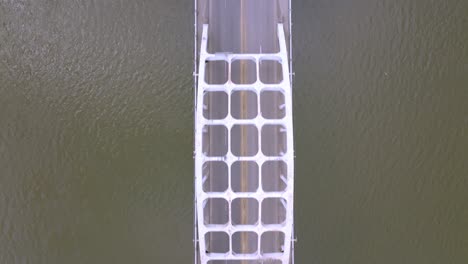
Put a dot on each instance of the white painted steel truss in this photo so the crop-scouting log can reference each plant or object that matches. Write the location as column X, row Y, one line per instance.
column 262, row 229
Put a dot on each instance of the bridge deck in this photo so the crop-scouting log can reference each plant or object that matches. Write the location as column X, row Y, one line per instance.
column 243, row 141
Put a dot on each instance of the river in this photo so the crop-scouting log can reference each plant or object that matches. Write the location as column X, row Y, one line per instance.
column 96, row 131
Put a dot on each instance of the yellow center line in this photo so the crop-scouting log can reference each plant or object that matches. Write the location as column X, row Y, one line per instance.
column 243, row 138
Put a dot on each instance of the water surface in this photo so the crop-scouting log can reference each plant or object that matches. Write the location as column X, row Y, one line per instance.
column 96, row 128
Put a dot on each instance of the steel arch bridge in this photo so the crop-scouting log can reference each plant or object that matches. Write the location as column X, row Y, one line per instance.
column 244, row 151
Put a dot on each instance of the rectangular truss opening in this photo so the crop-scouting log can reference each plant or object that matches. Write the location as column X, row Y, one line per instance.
column 273, row 211
column 244, row 243
column 244, row 140
column 215, row 105
column 272, row 243
column 244, row 176
column 216, row 211
column 274, row 140
column 274, row 176
column 243, row 71
column 217, row 243
column 244, row 211
column 215, row 140
column 244, row 104
column 271, row 71
column 215, row 176
column 272, row 104
column 216, row 72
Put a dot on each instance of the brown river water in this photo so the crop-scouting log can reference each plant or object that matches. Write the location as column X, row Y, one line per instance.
column 96, row 131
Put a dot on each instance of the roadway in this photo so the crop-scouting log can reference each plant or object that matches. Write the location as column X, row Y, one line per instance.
column 245, row 27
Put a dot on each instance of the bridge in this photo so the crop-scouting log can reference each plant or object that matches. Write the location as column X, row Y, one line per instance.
column 244, row 156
